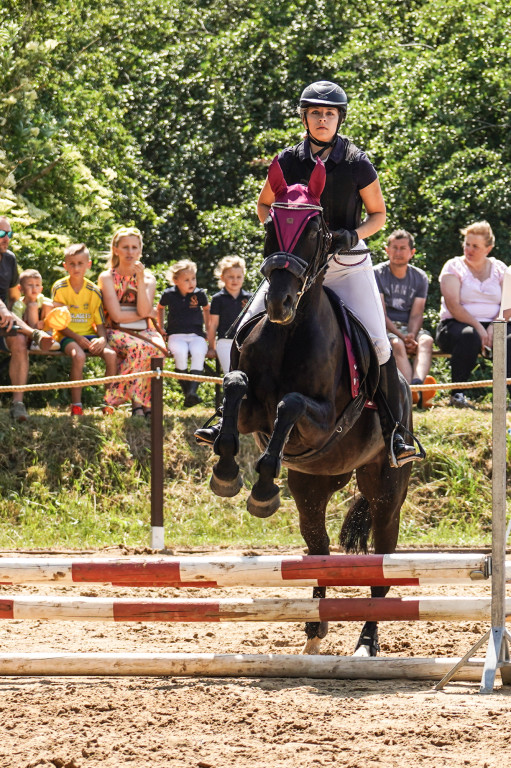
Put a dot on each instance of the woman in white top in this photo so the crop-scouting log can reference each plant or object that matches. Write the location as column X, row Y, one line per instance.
column 471, row 287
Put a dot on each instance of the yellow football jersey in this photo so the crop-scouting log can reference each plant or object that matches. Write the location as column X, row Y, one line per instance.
column 86, row 307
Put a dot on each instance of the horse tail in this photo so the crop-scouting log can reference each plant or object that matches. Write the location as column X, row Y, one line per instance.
column 356, row 528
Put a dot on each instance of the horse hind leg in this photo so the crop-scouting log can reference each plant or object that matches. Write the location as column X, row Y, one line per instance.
column 226, row 479
column 264, row 499
column 315, row 631
column 311, row 494
column 368, row 644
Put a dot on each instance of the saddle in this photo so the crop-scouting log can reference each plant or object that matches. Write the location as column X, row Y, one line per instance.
column 362, row 357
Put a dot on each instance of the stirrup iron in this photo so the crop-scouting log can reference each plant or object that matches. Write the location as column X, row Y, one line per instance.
column 417, row 456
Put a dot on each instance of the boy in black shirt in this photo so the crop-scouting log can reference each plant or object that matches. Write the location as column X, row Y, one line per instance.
column 226, row 306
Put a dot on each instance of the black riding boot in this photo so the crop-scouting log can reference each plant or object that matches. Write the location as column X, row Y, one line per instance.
column 185, row 384
column 209, row 432
column 192, row 398
column 388, row 402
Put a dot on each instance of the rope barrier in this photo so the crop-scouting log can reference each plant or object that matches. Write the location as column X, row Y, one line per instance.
column 210, row 380
column 110, row 380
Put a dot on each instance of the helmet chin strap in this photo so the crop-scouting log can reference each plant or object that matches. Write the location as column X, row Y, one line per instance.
column 319, row 142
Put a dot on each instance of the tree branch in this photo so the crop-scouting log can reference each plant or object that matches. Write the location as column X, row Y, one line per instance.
column 32, row 180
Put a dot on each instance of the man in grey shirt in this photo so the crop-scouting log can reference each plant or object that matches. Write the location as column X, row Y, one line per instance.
column 404, row 290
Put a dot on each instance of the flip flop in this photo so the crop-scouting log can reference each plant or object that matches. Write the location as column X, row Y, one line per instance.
column 428, row 394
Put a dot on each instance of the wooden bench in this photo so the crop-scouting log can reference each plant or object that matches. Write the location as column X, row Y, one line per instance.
column 208, row 368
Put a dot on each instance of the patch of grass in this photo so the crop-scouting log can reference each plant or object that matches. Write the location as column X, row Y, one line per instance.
column 86, row 483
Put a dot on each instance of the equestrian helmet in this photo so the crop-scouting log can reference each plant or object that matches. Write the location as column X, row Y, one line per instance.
column 324, row 94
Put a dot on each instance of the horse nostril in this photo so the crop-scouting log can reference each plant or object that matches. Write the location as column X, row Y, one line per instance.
column 288, row 303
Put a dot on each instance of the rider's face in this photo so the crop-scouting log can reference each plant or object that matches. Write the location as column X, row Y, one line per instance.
column 322, row 122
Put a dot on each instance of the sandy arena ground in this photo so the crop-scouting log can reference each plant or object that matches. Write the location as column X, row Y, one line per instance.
column 258, row 723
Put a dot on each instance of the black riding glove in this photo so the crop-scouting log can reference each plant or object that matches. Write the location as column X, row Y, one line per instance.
column 344, row 240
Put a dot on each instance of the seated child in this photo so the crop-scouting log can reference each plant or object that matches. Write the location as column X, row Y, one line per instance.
column 226, row 306
column 33, row 307
column 188, row 311
column 86, row 333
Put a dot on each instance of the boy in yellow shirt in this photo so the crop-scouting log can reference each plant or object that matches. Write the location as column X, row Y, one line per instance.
column 85, row 334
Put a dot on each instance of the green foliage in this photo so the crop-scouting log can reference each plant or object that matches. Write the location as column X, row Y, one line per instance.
column 86, row 483
column 165, row 114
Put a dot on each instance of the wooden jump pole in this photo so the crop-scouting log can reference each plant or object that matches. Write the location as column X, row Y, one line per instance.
column 234, row 665
column 255, row 571
column 272, row 609
column 497, row 652
column 157, row 527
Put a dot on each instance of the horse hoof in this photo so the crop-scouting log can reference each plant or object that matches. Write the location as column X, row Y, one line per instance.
column 364, row 651
column 226, row 488
column 263, row 509
column 312, row 646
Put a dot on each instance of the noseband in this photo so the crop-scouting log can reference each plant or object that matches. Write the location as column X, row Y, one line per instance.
column 306, row 271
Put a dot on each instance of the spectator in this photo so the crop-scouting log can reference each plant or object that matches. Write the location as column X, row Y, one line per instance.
column 404, row 289
column 188, row 312
column 33, row 307
column 226, row 306
column 471, row 287
column 128, row 294
column 85, row 334
column 15, row 344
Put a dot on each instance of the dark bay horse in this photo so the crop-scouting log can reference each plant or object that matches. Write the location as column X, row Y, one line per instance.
column 292, row 386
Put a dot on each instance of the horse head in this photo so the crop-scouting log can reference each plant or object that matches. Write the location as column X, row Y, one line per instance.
column 296, row 241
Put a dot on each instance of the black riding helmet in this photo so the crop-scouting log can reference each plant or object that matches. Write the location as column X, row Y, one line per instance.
column 323, row 94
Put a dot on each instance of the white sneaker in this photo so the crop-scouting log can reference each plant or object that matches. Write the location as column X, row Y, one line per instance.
column 458, row 400
column 38, row 337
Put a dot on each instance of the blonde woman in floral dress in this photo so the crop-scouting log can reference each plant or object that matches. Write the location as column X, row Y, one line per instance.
column 128, row 296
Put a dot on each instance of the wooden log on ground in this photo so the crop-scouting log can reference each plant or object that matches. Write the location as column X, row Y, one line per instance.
column 234, row 665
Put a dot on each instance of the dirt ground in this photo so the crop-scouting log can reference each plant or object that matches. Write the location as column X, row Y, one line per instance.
column 65, row 722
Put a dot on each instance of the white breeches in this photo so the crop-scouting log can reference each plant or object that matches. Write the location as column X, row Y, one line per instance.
column 223, row 352
column 183, row 344
column 352, row 278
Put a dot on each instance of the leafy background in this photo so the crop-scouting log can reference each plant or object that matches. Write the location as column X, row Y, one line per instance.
column 164, row 114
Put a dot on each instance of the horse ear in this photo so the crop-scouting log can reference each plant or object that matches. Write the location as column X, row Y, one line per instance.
column 276, row 178
column 317, row 180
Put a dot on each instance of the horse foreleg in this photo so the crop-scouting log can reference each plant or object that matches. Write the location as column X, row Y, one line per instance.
column 265, row 497
column 226, row 479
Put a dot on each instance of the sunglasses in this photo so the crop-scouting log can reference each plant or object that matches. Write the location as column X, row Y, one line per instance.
column 4, row 232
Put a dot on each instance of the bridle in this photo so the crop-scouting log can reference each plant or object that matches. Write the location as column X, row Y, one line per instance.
column 306, row 271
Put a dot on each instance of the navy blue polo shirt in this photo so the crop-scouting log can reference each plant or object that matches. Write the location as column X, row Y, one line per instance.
column 184, row 312
column 228, row 308
column 348, row 170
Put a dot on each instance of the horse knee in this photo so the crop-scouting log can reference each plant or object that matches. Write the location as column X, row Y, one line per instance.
column 235, row 384
column 291, row 407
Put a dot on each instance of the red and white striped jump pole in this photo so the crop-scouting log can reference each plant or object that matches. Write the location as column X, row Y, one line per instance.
column 258, row 571
column 264, row 610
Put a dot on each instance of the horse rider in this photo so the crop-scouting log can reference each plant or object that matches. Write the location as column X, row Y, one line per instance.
column 351, row 182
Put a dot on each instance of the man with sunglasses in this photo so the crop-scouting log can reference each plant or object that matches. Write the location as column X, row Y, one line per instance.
column 15, row 343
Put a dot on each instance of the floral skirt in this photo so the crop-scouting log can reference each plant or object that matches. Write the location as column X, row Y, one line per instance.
column 133, row 355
